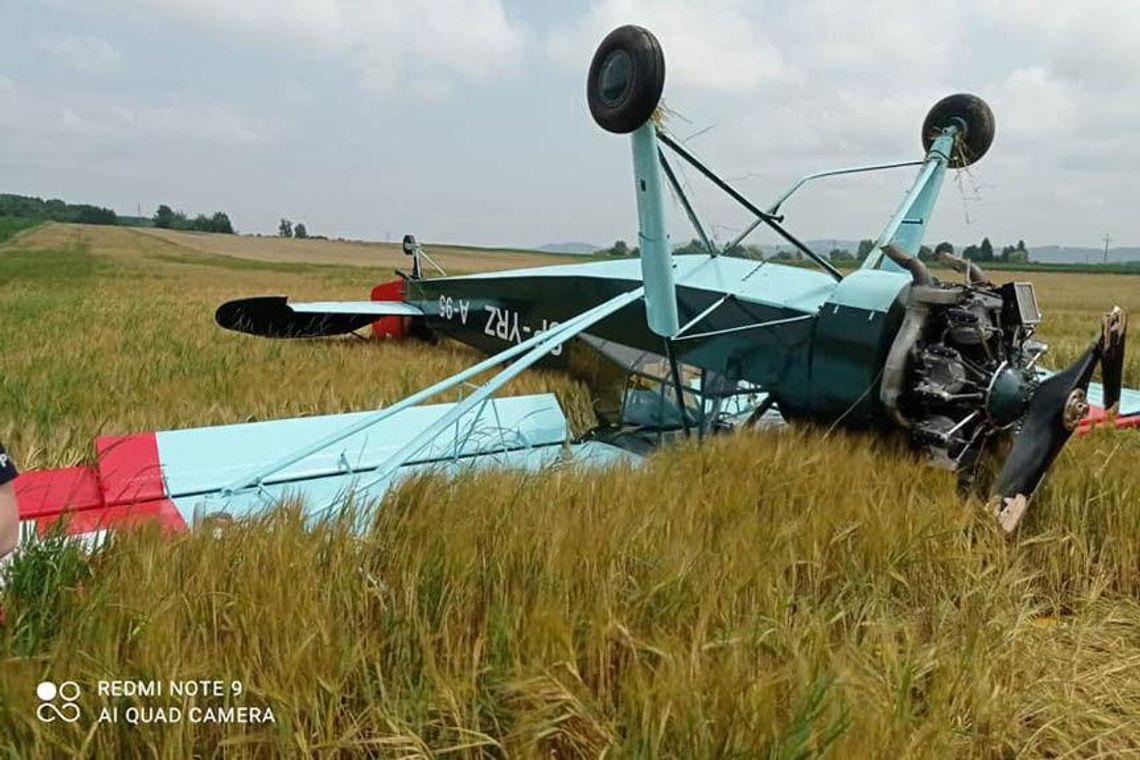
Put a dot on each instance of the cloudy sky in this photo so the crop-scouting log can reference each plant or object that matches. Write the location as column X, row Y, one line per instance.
column 465, row 120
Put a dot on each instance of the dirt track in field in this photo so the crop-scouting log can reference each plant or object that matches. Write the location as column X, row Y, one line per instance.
column 350, row 253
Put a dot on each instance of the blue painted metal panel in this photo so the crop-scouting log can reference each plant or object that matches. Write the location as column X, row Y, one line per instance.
column 319, row 496
column 907, row 226
column 768, row 283
column 913, row 228
column 788, row 287
column 205, row 459
column 871, row 289
column 656, row 253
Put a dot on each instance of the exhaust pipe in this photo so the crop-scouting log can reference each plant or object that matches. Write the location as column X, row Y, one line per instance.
column 973, row 272
column 918, row 271
column 917, row 313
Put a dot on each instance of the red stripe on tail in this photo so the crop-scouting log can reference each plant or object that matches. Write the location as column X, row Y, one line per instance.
column 389, row 327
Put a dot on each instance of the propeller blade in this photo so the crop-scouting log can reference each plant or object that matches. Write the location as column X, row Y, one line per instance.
column 1114, row 328
column 1056, row 408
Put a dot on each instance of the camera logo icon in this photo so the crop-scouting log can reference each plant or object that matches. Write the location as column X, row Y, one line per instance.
column 57, row 702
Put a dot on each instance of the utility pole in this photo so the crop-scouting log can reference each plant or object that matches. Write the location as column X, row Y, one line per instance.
column 1107, row 240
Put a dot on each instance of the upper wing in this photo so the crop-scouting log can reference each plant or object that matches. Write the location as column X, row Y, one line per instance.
column 274, row 317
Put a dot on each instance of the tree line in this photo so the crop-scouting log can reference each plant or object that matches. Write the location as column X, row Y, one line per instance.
column 54, row 209
column 622, row 249
column 981, row 252
column 167, row 218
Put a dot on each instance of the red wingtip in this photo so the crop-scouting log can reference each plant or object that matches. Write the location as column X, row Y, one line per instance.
column 123, row 488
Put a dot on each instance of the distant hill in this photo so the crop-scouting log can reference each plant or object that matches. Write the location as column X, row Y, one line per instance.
column 571, row 247
column 823, row 246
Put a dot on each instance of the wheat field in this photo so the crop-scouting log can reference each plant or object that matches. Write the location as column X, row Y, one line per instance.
column 357, row 253
column 785, row 594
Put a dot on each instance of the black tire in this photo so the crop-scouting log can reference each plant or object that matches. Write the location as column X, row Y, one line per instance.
column 972, row 112
column 630, row 57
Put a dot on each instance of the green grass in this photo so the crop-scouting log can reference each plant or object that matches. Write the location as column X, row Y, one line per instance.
column 1126, row 267
column 38, row 586
column 787, row 594
column 215, row 262
column 10, row 225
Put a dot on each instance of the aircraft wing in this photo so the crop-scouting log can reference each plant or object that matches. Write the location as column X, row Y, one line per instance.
column 275, row 317
column 180, row 476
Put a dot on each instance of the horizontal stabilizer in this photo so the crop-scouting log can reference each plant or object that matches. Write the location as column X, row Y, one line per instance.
column 1129, row 400
column 1127, row 416
column 275, row 317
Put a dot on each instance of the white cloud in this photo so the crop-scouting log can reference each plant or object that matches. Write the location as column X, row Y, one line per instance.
column 1093, row 41
column 385, row 41
column 1036, row 105
column 798, row 86
column 1080, row 100
column 96, row 123
column 810, row 78
column 788, row 86
column 84, row 53
column 196, row 123
column 296, row 94
column 725, row 50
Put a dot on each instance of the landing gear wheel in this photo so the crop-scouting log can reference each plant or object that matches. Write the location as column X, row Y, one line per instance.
column 968, row 111
column 625, row 80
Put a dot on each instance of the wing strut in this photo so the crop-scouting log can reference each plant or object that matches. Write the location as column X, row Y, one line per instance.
column 528, row 352
column 767, row 218
column 689, row 210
